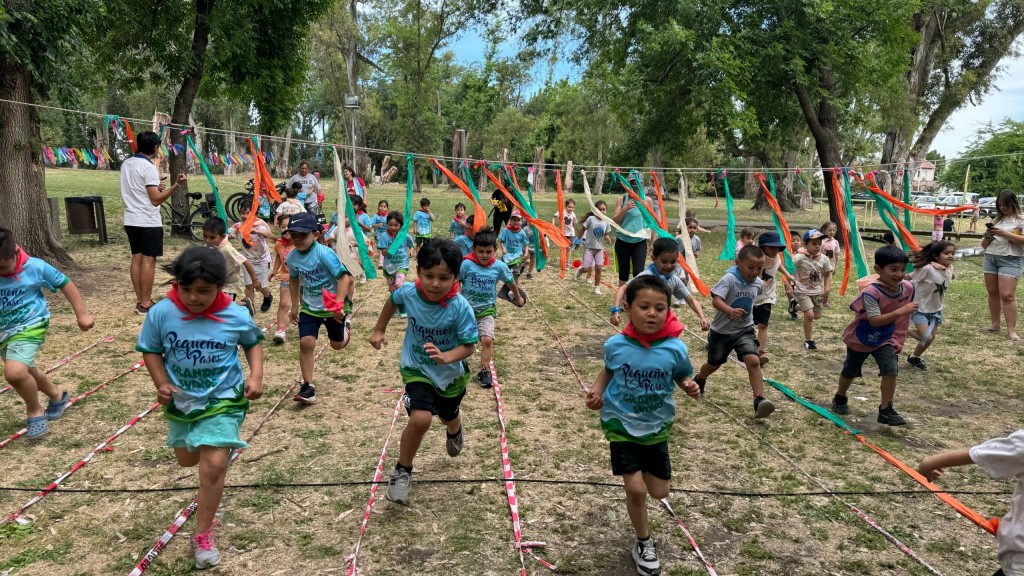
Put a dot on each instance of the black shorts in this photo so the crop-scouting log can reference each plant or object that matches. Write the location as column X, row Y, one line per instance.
column 309, row 325
column 762, row 313
column 423, row 396
column 420, row 240
column 720, row 345
column 885, row 357
column 146, row 241
column 629, row 457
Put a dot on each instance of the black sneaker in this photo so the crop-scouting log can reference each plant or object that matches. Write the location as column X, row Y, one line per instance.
column 700, row 384
column 267, row 301
column 142, row 310
column 485, row 378
column 792, row 308
column 916, row 362
column 840, row 405
column 306, row 395
column 763, row 407
column 810, row 345
column 890, row 417
column 645, row 555
column 454, row 443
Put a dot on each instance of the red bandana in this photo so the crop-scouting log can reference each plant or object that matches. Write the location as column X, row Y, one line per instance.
column 671, row 329
column 452, row 293
column 383, row 213
column 221, row 302
column 472, row 258
column 20, row 258
column 515, row 228
column 332, row 302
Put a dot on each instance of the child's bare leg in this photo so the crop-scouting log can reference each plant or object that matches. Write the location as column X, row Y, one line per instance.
column 284, row 306
column 20, row 377
column 754, row 373
column 250, row 292
column 213, row 466
column 185, row 458
column 809, row 324
column 762, row 338
column 597, row 276
column 636, row 502
column 453, row 425
column 486, row 349
column 707, row 370
column 412, row 436
column 923, row 343
column 888, row 389
column 844, row 385
column 307, row 345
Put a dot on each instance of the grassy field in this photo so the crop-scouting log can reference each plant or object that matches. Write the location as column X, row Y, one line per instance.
column 970, row 393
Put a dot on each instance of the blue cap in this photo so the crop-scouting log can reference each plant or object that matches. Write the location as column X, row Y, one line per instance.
column 303, row 223
column 770, row 239
column 813, row 233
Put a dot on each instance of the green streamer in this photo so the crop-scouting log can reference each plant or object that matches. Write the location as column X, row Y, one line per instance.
column 729, row 251
column 787, row 258
column 540, row 259
column 369, row 269
column 826, row 414
column 855, row 241
column 209, row 178
column 468, row 178
column 906, row 196
column 399, row 241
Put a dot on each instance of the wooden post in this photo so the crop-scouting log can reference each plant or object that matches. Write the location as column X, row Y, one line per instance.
column 568, row 176
column 460, row 141
column 538, row 170
column 599, row 185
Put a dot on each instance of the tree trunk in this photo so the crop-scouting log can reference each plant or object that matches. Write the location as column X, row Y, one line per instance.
column 23, row 195
column 538, row 170
column 568, row 177
column 784, row 193
column 824, row 127
column 897, row 142
column 282, row 168
column 459, row 143
column 658, row 162
column 185, row 98
column 751, row 189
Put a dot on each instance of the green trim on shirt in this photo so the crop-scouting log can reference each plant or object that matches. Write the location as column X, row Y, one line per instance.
column 221, row 406
column 457, row 386
column 614, row 431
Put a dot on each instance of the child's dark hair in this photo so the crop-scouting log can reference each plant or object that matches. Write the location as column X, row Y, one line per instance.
column 691, row 214
column 485, row 237
column 569, row 201
column 647, row 282
column 384, row 202
column 826, row 224
column 215, row 225
column 397, row 216
column 357, row 202
column 424, row 202
column 748, row 232
column 8, row 248
column 146, row 142
column 293, row 190
column 597, row 205
column 662, row 245
column 439, row 251
column 693, row 221
column 890, row 255
column 750, row 251
column 929, row 253
column 889, row 237
column 460, row 205
column 198, row 263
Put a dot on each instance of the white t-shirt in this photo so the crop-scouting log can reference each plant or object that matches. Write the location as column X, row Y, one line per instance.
column 138, row 172
column 1004, row 458
column 1001, row 246
column 569, row 224
column 769, row 296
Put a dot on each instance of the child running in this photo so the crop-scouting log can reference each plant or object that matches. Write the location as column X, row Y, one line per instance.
column 189, row 343
column 279, row 273
column 664, row 264
column 594, row 229
column 479, row 276
column 422, row 221
column 733, row 326
column 568, row 226
column 798, row 245
column 312, row 269
column 932, row 275
column 24, row 323
column 830, row 246
column 879, row 328
column 440, row 338
column 771, row 244
column 215, row 235
column 1000, row 458
column 258, row 254
column 465, row 240
column 457, row 227
column 813, row 280
column 642, row 367
column 513, row 244
column 379, row 223
column 396, row 266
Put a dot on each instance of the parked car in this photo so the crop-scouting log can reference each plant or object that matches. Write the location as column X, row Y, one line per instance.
column 987, row 207
column 926, row 202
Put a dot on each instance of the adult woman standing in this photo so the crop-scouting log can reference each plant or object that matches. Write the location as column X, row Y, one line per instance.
column 354, row 184
column 630, row 250
column 1004, row 261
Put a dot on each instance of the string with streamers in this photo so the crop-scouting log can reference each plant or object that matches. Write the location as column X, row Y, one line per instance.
column 399, row 242
column 366, row 266
column 661, row 200
column 209, row 177
column 540, row 246
column 906, row 195
column 641, row 234
column 781, row 226
column 844, row 228
column 478, row 221
column 114, row 122
column 729, row 251
column 529, row 215
column 479, row 216
column 687, row 247
column 888, row 215
column 856, row 243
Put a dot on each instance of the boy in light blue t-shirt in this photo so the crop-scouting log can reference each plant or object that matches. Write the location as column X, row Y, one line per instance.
column 465, row 241
column 422, row 222
column 513, row 244
column 440, row 337
column 634, row 393
column 479, row 278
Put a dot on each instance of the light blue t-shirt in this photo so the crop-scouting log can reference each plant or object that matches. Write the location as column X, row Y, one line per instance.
column 480, row 285
column 22, row 304
column 737, row 293
column 365, row 220
column 201, row 358
column 638, row 403
column 423, row 223
column 318, row 268
column 383, row 230
column 465, row 243
column 446, row 327
column 400, row 261
column 456, row 228
column 675, row 283
column 515, row 244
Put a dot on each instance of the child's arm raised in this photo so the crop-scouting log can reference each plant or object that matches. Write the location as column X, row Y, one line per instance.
column 595, row 397
column 933, row 466
column 70, row 291
column 378, row 340
column 457, row 354
column 254, row 385
column 155, row 366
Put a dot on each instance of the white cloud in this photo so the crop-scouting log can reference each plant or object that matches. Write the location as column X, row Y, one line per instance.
column 1005, row 101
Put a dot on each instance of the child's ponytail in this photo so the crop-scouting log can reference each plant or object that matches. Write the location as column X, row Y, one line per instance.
column 930, row 253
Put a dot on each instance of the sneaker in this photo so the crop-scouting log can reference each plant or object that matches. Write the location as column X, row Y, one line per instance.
column 763, row 407
column 762, row 358
column 597, row 290
column 529, row 275
column 55, row 408
column 890, row 417
column 454, row 443
column 267, row 301
column 700, row 384
column 279, row 337
column 205, row 550
column 485, row 378
column 248, row 305
column 810, row 345
column 645, row 554
column 398, row 486
column 306, row 395
column 840, row 405
column 792, row 308
column 142, row 310
column 916, row 362
column 576, row 275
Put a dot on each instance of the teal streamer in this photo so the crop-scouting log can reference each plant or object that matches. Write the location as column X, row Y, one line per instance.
column 467, row 176
column 209, row 178
column 906, row 196
column 539, row 257
column 858, row 253
column 369, row 268
column 729, row 251
column 787, row 258
column 826, row 414
column 399, row 241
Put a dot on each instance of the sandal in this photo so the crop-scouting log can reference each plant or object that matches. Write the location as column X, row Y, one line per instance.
column 1014, row 337
column 36, row 427
column 989, row 330
column 55, row 409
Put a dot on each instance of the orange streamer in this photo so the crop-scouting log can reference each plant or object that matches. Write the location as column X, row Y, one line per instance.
column 661, row 202
column 544, row 227
column 896, row 201
column 787, row 236
column 479, row 216
column 131, row 136
column 561, row 219
column 844, row 226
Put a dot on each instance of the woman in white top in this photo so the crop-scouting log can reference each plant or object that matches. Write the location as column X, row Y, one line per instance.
column 1004, row 261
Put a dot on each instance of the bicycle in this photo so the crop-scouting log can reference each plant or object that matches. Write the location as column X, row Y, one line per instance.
column 238, row 204
column 192, row 218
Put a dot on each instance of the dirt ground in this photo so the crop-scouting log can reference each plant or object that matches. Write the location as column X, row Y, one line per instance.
column 465, row 528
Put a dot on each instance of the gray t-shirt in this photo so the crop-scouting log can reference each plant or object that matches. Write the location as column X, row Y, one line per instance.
column 737, row 293
column 595, row 230
column 930, row 284
column 675, row 283
column 309, row 183
column 695, row 243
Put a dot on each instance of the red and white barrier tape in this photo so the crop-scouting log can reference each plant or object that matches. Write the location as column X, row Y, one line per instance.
column 351, row 558
column 74, row 400
column 67, row 359
column 510, row 483
column 79, row 465
column 693, row 543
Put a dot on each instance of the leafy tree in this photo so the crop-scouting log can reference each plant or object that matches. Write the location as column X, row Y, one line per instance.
column 1002, row 170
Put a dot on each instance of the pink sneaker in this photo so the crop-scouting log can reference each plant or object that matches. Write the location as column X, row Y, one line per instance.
column 205, row 550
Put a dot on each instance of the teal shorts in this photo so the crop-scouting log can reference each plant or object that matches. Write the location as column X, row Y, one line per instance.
column 219, row 431
column 23, row 351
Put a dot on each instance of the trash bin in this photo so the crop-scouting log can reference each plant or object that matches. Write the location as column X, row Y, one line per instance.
column 85, row 215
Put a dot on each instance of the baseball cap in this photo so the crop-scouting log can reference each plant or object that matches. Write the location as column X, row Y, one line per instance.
column 303, row 223
column 770, row 239
column 813, row 233
column 516, row 214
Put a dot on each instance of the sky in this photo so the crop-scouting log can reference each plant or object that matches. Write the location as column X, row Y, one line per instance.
column 1005, row 101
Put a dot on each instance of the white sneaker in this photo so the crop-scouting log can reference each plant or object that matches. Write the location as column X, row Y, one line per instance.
column 646, row 557
column 597, row 290
column 279, row 337
column 205, row 551
column 576, row 275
